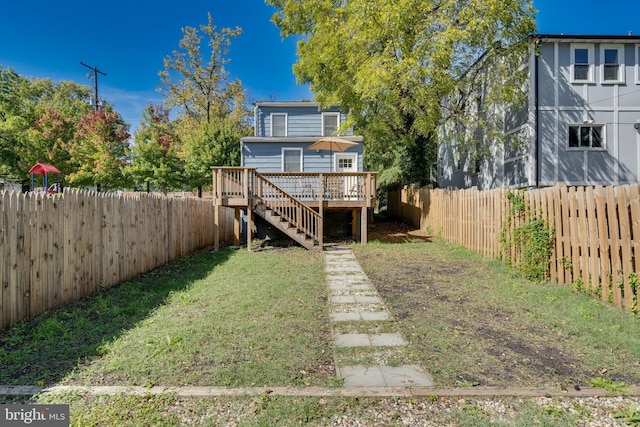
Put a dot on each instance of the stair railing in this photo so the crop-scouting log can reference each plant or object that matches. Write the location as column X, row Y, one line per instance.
column 286, row 206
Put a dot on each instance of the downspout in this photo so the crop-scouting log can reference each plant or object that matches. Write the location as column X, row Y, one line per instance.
column 537, row 125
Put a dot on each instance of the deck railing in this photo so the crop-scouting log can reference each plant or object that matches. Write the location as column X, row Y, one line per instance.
column 234, row 183
column 329, row 186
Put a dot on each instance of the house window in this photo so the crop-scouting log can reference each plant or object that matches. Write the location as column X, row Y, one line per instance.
column 611, row 58
column 581, row 63
column 330, row 123
column 278, row 124
column 345, row 163
column 586, row 136
column 292, row 159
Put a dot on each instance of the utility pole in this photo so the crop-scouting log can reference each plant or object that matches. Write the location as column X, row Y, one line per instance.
column 95, row 83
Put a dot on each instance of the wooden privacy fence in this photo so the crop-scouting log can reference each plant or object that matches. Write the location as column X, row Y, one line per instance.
column 595, row 240
column 58, row 249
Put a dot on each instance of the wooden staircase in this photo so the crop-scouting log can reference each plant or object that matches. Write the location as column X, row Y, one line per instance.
column 288, row 228
column 286, row 213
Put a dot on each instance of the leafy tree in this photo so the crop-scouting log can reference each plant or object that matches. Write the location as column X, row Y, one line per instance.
column 201, row 90
column 155, row 155
column 392, row 63
column 12, row 122
column 100, row 150
column 210, row 109
column 37, row 119
column 46, row 141
column 213, row 144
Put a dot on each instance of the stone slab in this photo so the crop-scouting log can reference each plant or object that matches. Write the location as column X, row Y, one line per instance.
column 406, row 376
column 352, row 340
column 363, row 288
column 365, row 340
column 387, row 340
column 367, row 316
column 361, row 376
column 367, row 299
column 372, row 316
column 384, row 376
column 345, row 317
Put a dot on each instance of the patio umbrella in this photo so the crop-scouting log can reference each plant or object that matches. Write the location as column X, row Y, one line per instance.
column 331, row 143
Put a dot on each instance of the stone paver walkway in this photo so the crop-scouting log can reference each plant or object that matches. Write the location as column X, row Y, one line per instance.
column 352, row 298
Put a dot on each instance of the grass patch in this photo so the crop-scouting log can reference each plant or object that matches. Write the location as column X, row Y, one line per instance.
column 472, row 320
column 232, row 318
column 613, row 387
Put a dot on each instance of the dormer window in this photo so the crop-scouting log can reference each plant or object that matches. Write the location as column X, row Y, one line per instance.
column 330, row 123
column 278, row 124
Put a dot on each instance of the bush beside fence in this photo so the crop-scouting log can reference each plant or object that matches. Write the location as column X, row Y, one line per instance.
column 58, row 249
column 595, row 243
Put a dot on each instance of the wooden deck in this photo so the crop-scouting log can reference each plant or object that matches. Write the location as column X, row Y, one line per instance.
column 294, row 202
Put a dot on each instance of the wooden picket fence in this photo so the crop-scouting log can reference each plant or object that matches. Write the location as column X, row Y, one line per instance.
column 58, row 249
column 596, row 230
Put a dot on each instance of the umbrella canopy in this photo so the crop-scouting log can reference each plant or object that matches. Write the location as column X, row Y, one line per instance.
column 331, row 143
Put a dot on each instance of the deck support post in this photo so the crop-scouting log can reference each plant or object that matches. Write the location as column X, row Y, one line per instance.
column 363, row 224
column 354, row 222
column 236, row 227
column 249, row 223
column 320, row 210
column 364, row 211
column 217, row 206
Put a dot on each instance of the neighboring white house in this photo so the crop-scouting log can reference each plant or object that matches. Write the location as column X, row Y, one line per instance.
column 580, row 125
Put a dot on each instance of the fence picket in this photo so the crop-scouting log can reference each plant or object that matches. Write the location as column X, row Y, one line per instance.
column 592, row 246
column 625, row 247
column 596, row 239
column 4, row 255
column 634, row 211
column 55, row 250
column 614, row 245
column 583, row 246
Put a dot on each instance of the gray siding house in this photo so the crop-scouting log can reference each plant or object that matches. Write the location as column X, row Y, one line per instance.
column 284, row 188
column 580, row 125
column 284, row 130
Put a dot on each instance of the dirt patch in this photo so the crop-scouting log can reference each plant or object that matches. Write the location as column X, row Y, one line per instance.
column 396, row 232
column 468, row 323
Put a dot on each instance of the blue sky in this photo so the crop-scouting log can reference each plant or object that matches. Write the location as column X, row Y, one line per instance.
column 129, row 39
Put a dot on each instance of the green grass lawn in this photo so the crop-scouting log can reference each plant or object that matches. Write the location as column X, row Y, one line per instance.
column 232, row 318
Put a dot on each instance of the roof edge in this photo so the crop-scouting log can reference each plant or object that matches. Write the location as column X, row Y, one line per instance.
column 598, row 37
column 287, row 104
column 294, row 139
